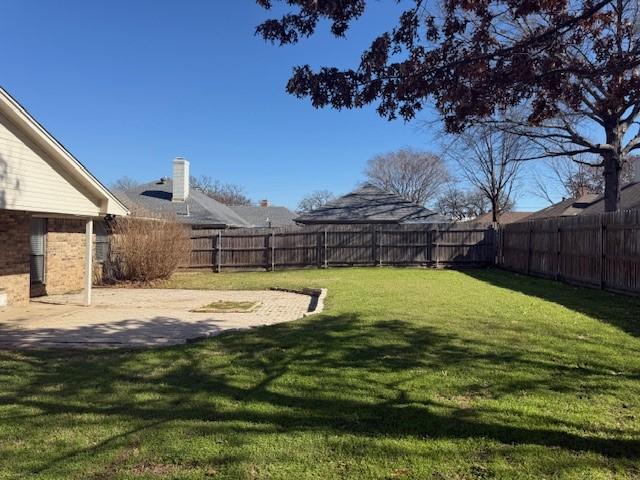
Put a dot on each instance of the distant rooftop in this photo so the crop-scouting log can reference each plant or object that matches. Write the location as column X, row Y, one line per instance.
column 590, row 204
column 198, row 209
column 267, row 216
column 504, row 218
column 370, row 204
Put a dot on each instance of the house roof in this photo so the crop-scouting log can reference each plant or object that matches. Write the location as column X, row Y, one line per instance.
column 56, row 152
column 565, row 208
column 198, row 209
column 504, row 218
column 265, row 216
column 590, row 204
column 629, row 199
column 370, row 204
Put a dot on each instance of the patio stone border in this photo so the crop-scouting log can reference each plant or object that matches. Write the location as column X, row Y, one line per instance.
column 316, row 305
column 317, row 295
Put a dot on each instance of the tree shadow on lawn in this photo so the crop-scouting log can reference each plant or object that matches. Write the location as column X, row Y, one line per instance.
column 618, row 310
column 332, row 374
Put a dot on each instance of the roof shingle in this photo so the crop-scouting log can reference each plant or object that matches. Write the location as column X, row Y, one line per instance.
column 370, row 204
column 198, row 210
column 265, row 216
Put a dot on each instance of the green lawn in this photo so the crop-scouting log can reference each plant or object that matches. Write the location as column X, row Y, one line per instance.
column 409, row 373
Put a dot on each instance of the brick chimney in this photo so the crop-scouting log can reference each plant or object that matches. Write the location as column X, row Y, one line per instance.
column 264, row 203
column 180, row 179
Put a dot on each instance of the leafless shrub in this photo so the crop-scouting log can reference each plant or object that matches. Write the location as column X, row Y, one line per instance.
column 146, row 249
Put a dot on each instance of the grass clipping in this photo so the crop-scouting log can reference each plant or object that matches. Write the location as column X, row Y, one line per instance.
column 222, row 306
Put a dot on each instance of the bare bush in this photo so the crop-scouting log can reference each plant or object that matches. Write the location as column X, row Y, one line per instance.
column 146, row 249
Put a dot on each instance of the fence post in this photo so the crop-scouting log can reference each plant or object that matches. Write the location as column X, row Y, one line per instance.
column 436, row 252
column 319, row 249
column 374, row 245
column 219, row 253
column 380, row 246
column 326, row 261
column 273, row 250
column 529, row 249
column 558, row 250
column 493, row 235
column 603, row 250
column 501, row 235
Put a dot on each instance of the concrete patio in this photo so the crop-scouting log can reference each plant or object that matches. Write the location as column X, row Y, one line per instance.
column 140, row 317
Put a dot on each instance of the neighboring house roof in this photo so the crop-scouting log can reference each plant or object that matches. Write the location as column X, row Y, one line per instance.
column 555, row 210
column 568, row 207
column 370, row 204
column 259, row 216
column 504, row 218
column 629, row 199
column 590, row 204
column 197, row 210
column 39, row 174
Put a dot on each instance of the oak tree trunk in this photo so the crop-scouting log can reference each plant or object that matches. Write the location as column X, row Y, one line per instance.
column 612, row 172
column 612, row 167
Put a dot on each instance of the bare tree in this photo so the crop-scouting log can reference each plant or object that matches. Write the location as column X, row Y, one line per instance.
column 315, row 200
column 413, row 174
column 573, row 64
column 573, row 178
column 226, row 193
column 459, row 204
column 491, row 161
column 124, row 183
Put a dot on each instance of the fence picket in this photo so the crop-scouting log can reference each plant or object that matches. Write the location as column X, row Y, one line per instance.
column 415, row 244
column 601, row 251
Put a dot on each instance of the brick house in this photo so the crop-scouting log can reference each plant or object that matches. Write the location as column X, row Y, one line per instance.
column 48, row 204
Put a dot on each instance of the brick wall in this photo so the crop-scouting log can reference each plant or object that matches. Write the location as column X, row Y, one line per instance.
column 14, row 256
column 65, row 256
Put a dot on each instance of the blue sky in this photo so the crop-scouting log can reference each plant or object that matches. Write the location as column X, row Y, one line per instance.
column 129, row 85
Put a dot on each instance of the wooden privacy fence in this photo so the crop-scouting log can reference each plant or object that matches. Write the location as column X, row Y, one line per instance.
column 601, row 251
column 341, row 245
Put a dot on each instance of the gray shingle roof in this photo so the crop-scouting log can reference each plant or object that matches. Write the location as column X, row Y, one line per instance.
column 629, row 199
column 265, row 216
column 370, row 204
column 565, row 208
column 591, row 204
column 504, row 218
column 198, row 210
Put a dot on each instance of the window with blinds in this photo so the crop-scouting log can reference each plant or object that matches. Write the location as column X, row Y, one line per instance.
column 102, row 241
column 38, row 249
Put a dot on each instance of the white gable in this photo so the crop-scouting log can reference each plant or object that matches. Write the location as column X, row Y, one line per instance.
column 32, row 182
column 38, row 175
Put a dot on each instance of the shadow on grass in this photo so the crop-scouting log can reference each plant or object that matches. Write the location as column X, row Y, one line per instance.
column 327, row 374
column 620, row 311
